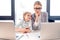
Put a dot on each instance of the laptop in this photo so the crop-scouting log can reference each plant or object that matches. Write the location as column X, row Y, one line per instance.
column 50, row 31
column 7, row 31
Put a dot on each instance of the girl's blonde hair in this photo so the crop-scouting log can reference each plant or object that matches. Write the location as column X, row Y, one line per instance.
column 25, row 14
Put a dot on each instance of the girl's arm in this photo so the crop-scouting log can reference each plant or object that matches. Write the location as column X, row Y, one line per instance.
column 22, row 30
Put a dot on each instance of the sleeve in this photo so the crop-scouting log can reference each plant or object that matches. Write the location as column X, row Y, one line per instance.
column 45, row 17
column 19, row 25
column 34, row 24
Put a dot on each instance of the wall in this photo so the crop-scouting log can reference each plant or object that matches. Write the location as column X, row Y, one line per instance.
column 26, row 5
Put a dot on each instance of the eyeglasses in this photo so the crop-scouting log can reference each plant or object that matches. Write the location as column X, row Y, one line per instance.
column 38, row 8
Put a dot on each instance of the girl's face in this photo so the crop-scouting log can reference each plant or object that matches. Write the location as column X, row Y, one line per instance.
column 27, row 17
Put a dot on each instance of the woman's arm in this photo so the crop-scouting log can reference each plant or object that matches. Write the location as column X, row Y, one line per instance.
column 45, row 17
column 35, row 23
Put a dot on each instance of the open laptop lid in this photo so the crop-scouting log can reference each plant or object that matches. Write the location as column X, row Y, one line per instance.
column 50, row 31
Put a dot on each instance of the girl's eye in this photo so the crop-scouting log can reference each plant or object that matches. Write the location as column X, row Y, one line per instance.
column 28, row 15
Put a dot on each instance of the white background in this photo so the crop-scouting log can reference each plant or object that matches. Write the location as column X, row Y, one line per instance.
column 5, row 7
column 54, row 7
column 22, row 6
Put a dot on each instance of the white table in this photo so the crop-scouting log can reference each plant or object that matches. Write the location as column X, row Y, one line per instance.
column 35, row 35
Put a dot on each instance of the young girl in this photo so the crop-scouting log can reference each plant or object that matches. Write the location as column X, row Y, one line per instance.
column 25, row 25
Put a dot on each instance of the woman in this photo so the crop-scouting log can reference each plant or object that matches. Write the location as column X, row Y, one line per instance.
column 38, row 16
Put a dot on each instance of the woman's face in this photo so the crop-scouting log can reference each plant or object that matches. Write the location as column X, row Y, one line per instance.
column 37, row 8
column 28, row 17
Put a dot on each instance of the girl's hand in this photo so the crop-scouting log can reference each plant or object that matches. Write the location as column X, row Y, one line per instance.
column 27, row 30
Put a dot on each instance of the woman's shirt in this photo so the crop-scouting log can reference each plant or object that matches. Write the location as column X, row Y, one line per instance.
column 42, row 18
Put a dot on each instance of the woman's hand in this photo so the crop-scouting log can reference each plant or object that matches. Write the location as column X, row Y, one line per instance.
column 37, row 17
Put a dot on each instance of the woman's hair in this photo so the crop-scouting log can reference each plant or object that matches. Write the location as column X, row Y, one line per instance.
column 37, row 3
column 25, row 14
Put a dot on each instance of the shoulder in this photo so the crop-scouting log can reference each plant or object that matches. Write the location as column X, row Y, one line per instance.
column 21, row 22
column 44, row 13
